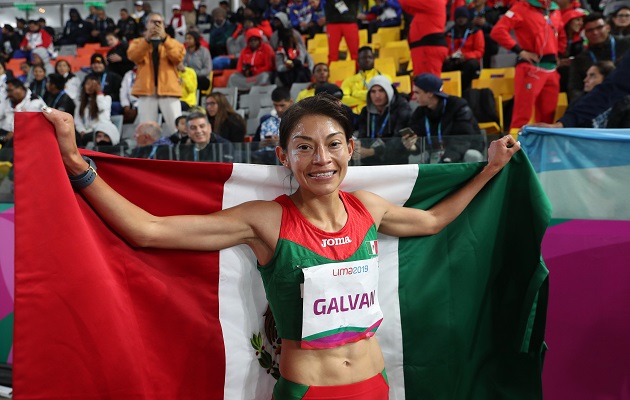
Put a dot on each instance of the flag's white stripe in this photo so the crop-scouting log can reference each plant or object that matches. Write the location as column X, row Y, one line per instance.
column 603, row 192
column 242, row 300
column 241, row 295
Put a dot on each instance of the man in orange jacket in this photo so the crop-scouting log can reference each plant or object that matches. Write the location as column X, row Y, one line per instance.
column 426, row 35
column 540, row 37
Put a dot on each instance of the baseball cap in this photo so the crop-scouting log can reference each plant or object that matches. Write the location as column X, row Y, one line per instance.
column 430, row 84
column 329, row 88
column 175, row 7
column 97, row 58
column 139, row 3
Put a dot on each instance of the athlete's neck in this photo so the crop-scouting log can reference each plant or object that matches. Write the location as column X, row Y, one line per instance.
column 327, row 212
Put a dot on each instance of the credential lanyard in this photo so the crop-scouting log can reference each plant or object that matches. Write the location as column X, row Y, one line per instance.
column 54, row 104
column 461, row 46
column 613, row 49
column 103, row 81
column 380, row 131
column 427, row 127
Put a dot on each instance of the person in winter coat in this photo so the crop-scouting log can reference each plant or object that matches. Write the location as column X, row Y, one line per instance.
column 256, row 63
column 466, row 46
column 446, row 124
column 76, row 31
column 380, row 122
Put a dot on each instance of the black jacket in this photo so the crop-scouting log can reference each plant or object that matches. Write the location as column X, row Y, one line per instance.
column 455, row 119
column 232, row 129
column 111, row 84
column 120, row 68
column 62, row 103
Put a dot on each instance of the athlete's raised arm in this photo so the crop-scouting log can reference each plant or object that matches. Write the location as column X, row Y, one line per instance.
column 402, row 221
column 243, row 224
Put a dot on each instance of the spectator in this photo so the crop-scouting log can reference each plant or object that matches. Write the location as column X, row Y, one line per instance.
column 20, row 27
column 126, row 27
column 426, row 35
column 198, row 58
column 573, row 26
column 72, row 82
column 56, row 95
column 202, row 18
column 19, row 99
column 451, row 6
column 226, row 6
column 283, row 26
column 337, row 93
column 445, row 122
column 224, row 120
column 385, row 114
column 188, row 82
column 157, row 82
column 40, row 56
column 110, row 81
column 94, row 107
column 484, row 17
column 318, row 21
column 207, row 146
column 106, row 135
column 5, row 75
column 25, row 67
column 150, row 143
column 274, row 7
column 42, row 26
column 9, row 43
column 93, row 15
column 76, row 30
column 601, row 46
column 140, row 17
column 292, row 59
column 181, row 135
column 321, row 73
column 466, row 48
column 117, row 60
column 301, row 16
column 221, row 30
column 38, row 84
column 539, row 40
column 237, row 42
column 128, row 102
column 620, row 21
column 255, row 64
column 270, row 127
column 187, row 8
column 101, row 25
column 341, row 18
column 355, row 87
column 596, row 74
column 178, row 22
column 385, row 13
column 35, row 37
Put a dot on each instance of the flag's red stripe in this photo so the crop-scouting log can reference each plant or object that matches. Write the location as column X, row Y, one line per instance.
column 94, row 317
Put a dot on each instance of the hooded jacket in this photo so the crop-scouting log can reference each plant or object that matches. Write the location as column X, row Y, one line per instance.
column 259, row 60
column 45, row 56
column 286, row 24
column 373, row 126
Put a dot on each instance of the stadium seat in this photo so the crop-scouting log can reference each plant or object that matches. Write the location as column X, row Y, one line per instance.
column 404, row 54
column 340, row 70
column 320, row 55
column 563, row 103
column 296, row 88
column 497, row 73
column 385, row 35
column 320, row 40
column 221, row 80
column 363, row 41
column 402, row 83
column 452, row 83
column 14, row 65
column 387, row 66
column 230, row 93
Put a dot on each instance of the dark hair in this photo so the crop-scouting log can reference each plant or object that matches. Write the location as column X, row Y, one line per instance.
column 8, row 28
column 39, row 66
column 322, row 104
column 196, row 115
column 224, row 111
column 593, row 17
column 365, row 48
column 179, row 118
column 318, row 64
column 605, row 67
column 16, row 83
column 70, row 74
column 622, row 7
column 196, row 37
column 89, row 100
column 57, row 80
column 125, row 10
column 41, row 20
column 281, row 93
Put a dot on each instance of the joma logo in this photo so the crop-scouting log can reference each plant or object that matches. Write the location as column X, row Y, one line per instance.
column 336, row 241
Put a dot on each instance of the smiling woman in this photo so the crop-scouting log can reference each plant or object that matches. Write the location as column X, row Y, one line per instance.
column 333, row 354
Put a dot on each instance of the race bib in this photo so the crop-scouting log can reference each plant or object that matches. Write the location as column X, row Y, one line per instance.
column 340, row 303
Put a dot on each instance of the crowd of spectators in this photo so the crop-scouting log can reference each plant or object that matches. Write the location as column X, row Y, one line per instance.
column 156, row 73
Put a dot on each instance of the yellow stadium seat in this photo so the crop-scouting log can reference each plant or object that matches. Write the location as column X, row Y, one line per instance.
column 563, row 103
column 495, row 73
column 452, row 83
column 386, row 66
column 376, row 41
column 320, row 57
column 403, row 46
column 363, row 37
column 320, row 40
column 402, row 83
column 340, row 70
column 388, row 34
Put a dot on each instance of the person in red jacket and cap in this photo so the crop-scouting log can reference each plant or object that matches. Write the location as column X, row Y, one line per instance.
column 540, row 38
column 426, row 35
column 255, row 63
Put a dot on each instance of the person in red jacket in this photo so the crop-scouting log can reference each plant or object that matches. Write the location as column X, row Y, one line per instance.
column 255, row 63
column 540, row 37
column 426, row 35
column 466, row 46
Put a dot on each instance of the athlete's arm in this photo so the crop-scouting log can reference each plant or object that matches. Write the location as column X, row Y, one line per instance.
column 243, row 224
column 402, row 221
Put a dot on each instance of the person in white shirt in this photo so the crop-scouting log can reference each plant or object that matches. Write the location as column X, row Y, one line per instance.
column 19, row 99
column 93, row 108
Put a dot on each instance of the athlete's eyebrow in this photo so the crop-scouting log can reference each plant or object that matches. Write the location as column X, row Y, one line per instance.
column 311, row 139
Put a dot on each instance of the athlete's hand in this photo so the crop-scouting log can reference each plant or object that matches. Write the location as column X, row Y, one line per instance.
column 501, row 151
column 66, row 140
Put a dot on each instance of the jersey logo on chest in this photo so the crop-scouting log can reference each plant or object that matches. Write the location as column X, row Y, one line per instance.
column 336, row 241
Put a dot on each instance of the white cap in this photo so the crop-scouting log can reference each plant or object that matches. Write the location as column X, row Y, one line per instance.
column 139, row 3
column 175, row 7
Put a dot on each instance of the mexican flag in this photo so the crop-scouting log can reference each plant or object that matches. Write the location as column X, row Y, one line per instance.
column 464, row 310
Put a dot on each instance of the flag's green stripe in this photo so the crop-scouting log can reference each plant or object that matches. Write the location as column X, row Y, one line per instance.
column 463, row 291
column 6, row 337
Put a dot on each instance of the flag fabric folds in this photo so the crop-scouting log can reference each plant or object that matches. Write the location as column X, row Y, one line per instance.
column 464, row 310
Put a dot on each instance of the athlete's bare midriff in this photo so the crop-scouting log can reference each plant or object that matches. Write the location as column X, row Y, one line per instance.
column 350, row 363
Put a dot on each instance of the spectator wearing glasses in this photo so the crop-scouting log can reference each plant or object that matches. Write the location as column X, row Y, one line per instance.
column 602, row 46
column 620, row 22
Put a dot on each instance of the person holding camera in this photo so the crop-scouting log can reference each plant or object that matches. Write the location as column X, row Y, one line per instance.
column 256, row 63
column 157, row 82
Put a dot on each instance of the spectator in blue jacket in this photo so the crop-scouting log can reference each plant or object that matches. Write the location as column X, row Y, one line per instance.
column 318, row 21
column 300, row 15
column 385, row 13
column 274, row 7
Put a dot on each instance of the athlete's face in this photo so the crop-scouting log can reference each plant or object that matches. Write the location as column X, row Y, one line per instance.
column 317, row 153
